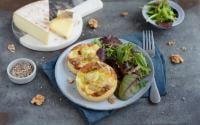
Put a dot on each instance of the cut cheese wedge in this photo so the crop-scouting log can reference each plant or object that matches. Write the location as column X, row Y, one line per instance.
column 63, row 24
column 34, row 20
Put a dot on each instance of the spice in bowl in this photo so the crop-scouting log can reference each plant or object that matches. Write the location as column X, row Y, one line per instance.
column 22, row 69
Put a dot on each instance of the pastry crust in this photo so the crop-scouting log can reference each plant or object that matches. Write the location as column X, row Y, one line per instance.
column 96, row 81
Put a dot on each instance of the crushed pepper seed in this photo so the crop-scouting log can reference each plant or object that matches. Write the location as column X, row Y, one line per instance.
column 11, row 48
column 22, row 69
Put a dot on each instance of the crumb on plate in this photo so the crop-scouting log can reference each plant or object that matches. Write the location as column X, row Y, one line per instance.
column 70, row 80
column 111, row 100
column 177, row 59
column 93, row 23
column 38, row 100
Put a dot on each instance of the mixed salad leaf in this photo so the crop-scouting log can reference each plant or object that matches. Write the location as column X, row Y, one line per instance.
column 127, row 62
column 161, row 12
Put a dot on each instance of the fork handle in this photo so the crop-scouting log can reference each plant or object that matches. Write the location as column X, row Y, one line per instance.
column 154, row 93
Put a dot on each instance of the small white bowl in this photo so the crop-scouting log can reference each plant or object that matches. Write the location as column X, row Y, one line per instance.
column 24, row 80
column 175, row 6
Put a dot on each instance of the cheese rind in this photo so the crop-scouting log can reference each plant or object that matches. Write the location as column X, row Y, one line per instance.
column 34, row 20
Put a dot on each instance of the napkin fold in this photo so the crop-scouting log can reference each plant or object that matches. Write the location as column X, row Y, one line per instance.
column 92, row 116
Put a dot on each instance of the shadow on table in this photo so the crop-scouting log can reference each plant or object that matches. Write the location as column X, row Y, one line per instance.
column 3, row 118
column 187, row 4
column 12, row 5
column 141, row 24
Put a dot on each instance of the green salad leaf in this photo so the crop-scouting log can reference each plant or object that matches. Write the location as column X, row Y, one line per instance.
column 122, row 53
column 97, row 41
column 130, row 65
column 126, row 53
column 142, row 63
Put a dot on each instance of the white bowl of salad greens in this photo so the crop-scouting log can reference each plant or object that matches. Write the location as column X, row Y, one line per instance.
column 163, row 14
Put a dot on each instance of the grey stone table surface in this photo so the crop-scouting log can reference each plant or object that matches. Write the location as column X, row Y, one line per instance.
column 179, row 107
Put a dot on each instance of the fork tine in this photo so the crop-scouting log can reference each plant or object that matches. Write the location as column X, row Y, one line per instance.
column 149, row 40
column 143, row 42
column 146, row 40
column 152, row 39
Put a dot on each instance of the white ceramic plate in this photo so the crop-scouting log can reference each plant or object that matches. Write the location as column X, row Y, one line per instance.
column 69, row 90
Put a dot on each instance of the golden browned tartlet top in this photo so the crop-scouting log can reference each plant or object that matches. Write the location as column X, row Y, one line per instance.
column 80, row 55
column 96, row 81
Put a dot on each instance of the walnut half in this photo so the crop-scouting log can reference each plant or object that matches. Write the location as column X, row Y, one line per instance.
column 11, row 48
column 177, row 59
column 93, row 23
column 38, row 100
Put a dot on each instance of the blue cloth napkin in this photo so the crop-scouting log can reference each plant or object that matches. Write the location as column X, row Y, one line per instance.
column 92, row 116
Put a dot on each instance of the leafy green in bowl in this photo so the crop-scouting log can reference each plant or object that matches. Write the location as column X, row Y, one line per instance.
column 161, row 12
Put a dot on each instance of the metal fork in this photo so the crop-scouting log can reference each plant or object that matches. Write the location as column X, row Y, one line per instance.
column 149, row 47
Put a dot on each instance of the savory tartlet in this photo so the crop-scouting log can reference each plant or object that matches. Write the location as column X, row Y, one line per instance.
column 96, row 81
column 81, row 55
